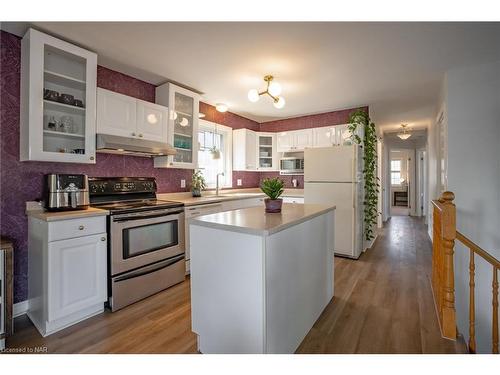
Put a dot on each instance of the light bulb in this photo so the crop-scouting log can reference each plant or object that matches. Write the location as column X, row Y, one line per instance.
column 274, row 88
column 152, row 119
column 280, row 103
column 253, row 95
column 184, row 122
column 221, row 107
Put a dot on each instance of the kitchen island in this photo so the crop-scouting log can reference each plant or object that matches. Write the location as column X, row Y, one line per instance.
column 259, row 281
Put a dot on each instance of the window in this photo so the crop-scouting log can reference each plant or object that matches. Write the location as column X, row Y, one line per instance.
column 214, row 137
column 395, row 172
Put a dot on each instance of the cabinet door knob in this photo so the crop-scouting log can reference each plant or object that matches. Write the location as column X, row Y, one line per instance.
column 103, row 238
column 133, row 134
column 91, row 158
column 140, row 135
column 81, row 227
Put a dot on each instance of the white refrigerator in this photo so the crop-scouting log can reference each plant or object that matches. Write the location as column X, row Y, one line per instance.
column 333, row 175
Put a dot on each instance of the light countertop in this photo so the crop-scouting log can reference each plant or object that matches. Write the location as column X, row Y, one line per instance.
column 254, row 220
column 65, row 215
column 224, row 195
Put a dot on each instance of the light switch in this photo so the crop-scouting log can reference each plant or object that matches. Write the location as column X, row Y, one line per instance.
column 238, row 182
column 183, row 183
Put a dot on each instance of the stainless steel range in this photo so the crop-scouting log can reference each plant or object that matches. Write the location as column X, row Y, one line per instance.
column 146, row 238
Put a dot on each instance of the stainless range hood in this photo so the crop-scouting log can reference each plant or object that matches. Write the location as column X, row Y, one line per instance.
column 114, row 144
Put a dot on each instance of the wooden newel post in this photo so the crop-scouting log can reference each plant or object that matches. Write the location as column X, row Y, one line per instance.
column 448, row 237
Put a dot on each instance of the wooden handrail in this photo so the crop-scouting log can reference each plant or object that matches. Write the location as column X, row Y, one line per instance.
column 475, row 248
column 444, row 235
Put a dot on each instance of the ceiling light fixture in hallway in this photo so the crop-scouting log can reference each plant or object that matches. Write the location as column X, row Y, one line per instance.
column 404, row 134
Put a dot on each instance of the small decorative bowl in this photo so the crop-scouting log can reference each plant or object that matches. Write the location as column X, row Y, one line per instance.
column 67, row 99
column 50, row 95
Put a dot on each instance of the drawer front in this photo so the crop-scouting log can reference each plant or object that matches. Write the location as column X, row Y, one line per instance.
column 65, row 229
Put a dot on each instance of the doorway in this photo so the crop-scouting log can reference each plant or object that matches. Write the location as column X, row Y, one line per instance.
column 400, row 181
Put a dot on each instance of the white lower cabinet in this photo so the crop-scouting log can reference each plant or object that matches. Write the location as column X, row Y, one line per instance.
column 67, row 277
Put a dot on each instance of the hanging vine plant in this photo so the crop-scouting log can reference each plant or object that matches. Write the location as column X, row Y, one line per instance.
column 361, row 120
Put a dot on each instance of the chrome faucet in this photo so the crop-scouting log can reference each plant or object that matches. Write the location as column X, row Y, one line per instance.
column 217, row 183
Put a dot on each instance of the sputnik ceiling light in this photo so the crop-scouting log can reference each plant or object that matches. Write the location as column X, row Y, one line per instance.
column 404, row 134
column 273, row 89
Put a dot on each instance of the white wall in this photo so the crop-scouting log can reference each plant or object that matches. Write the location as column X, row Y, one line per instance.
column 434, row 157
column 473, row 117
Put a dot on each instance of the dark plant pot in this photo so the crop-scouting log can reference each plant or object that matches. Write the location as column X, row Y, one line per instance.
column 273, row 206
column 196, row 192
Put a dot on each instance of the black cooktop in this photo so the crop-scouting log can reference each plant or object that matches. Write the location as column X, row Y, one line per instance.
column 137, row 205
column 126, row 194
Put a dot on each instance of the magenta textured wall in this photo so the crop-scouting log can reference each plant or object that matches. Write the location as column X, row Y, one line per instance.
column 310, row 121
column 286, row 179
column 22, row 181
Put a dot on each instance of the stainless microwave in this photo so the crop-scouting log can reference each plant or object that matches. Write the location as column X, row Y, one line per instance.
column 292, row 165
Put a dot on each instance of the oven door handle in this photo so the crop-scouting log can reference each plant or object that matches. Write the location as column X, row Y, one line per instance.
column 150, row 269
column 130, row 218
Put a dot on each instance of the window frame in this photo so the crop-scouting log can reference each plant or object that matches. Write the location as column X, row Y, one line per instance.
column 396, row 171
column 204, row 125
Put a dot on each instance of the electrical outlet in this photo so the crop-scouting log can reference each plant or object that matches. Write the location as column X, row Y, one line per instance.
column 239, row 182
column 183, row 183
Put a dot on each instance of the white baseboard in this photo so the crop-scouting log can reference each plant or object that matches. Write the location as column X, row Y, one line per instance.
column 21, row 308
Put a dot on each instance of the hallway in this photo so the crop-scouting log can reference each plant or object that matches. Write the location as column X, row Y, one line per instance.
column 383, row 301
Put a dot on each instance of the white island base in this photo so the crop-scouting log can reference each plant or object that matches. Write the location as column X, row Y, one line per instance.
column 260, row 281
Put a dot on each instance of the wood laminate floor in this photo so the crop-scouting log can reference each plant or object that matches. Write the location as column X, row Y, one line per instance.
column 382, row 304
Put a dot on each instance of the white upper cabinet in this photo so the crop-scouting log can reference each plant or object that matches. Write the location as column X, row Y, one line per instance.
column 303, row 139
column 285, row 141
column 183, row 112
column 58, row 100
column 295, row 140
column 116, row 114
column 244, row 146
column 152, row 121
column 267, row 156
column 254, row 151
column 324, row 137
column 122, row 115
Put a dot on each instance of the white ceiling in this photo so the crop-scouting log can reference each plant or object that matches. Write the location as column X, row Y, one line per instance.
column 395, row 68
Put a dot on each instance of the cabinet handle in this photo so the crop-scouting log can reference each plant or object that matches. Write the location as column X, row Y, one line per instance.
column 133, row 134
column 91, row 158
column 81, row 227
column 140, row 135
column 103, row 238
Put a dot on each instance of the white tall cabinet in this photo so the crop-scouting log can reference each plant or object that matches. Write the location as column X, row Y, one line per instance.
column 125, row 116
column 67, row 270
column 183, row 112
column 52, row 129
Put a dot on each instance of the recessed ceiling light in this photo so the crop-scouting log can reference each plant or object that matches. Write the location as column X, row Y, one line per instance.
column 221, row 107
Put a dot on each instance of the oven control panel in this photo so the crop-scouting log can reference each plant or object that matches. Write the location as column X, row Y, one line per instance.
column 115, row 185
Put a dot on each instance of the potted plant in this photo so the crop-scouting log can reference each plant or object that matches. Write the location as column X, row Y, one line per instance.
column 197, row 183
column 273, row 188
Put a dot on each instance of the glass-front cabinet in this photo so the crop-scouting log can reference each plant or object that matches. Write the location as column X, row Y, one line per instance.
column 183, row 111
column 58, row 100
column 266, row 152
